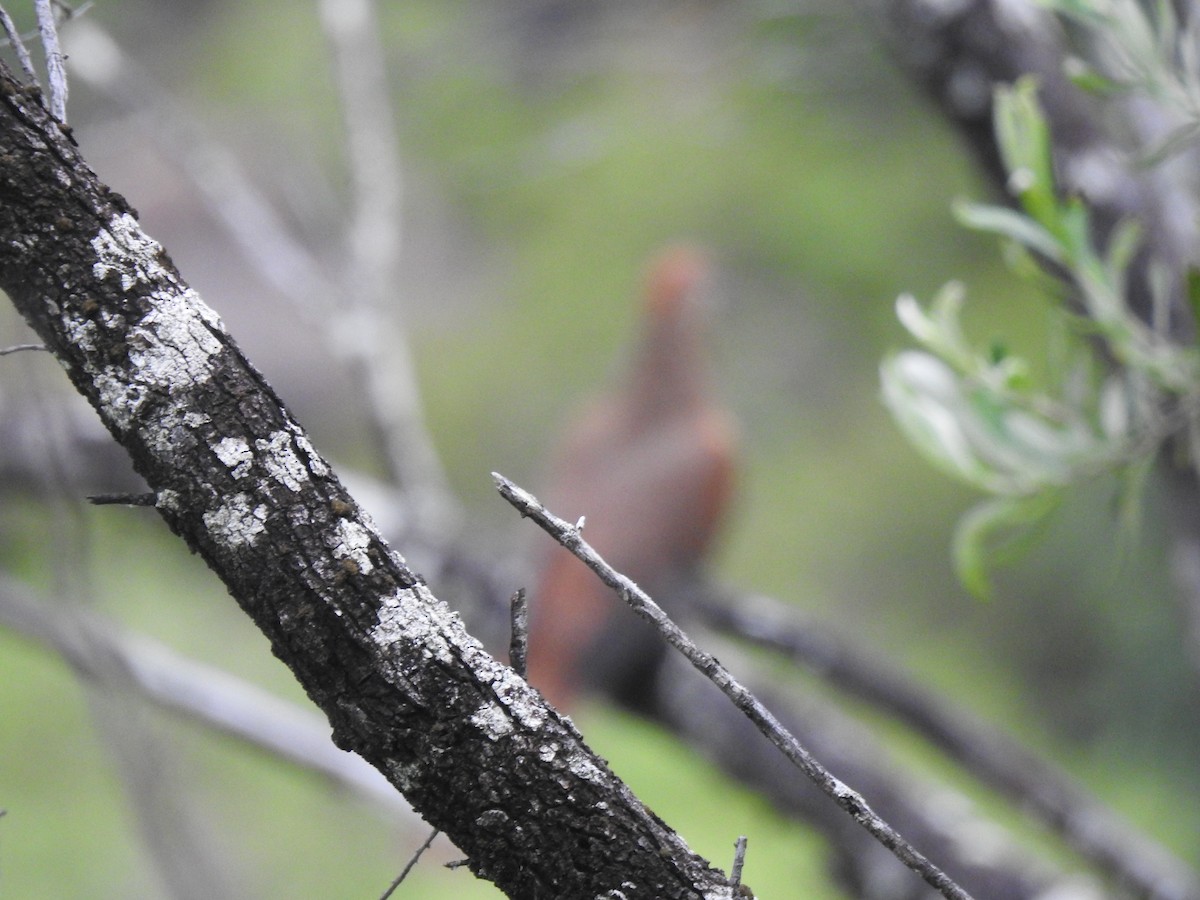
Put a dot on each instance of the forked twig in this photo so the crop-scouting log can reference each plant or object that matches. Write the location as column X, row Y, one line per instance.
column 853, row 803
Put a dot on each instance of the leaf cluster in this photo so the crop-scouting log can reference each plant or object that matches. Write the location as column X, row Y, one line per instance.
column 1124, row 385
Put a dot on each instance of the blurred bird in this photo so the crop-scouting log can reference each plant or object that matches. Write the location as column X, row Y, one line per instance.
column 650, row 465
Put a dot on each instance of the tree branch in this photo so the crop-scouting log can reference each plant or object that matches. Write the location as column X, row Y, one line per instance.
column 471, row 746
column 570, row 537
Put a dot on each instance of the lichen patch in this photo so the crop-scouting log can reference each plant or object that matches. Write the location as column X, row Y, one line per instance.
column 235, row 453
column 281, row 462
column 492, row 721
column 353, row 540
column 236, row 523
column 124, row 250
column 402, row 616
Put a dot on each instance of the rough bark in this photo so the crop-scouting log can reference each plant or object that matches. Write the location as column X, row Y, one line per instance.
column 471, row 746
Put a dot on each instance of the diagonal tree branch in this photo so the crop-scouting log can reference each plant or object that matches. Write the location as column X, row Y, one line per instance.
column 474, row 749
column 570, row 537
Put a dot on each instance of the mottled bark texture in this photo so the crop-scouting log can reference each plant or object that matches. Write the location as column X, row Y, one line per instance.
column 471, row 746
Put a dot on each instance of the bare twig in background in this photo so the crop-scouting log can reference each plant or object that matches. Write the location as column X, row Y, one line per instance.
column 1039, row 789
column 569, row 537
column 14, row 38
column 21, row 348
column 237, row 202
column 367, row 321
column 364, row 334
column 101, row 652
column 56, row 71
column 409, row 867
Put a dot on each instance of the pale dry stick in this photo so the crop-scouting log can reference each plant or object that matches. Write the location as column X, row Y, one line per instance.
column 56, row 70
column 245, row 212
column 18, row 45
column 101, row 651
column 569, row 537
column 21, row 348
column 1036, row 787
column 739, row 860
column 368, row 323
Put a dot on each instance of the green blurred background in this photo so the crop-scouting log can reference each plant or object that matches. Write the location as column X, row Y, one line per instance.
column 550, row 148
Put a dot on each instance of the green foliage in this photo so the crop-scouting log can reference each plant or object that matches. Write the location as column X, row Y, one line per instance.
column 1156, row 55
column 979, row 414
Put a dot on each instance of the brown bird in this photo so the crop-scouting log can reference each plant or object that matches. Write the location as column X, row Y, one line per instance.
column 650, row 466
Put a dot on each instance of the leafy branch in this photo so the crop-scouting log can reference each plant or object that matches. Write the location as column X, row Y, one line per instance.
column 1126, row 388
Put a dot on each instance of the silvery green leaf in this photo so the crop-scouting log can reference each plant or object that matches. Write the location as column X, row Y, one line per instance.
column 923, row 396
column 1114, row 410
column 1012, row 225
column 995, row 532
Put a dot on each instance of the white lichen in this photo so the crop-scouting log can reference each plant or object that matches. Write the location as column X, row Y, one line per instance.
column 171, row 348
column 168, row 499
column 492, row 721
column 581, row 766
column 353, row 540
column 280, row 461
column 413, row 615
column 522, row 702
column 235, row 453
column 82, row 333
column 167, row 355
column 316, row 465
column 122, row 400
column 124, row 250
column 236, row 523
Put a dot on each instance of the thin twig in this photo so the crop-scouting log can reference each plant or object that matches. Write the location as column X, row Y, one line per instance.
column 739, row 860
column 849, row 800
column 518, row 645
column 143, row 499
column 369, row 321
column 56, row 70
column 23, row 348
column 408, row 868
column 18, row 45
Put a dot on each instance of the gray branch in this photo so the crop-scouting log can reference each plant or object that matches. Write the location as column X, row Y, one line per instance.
column 570, row 537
